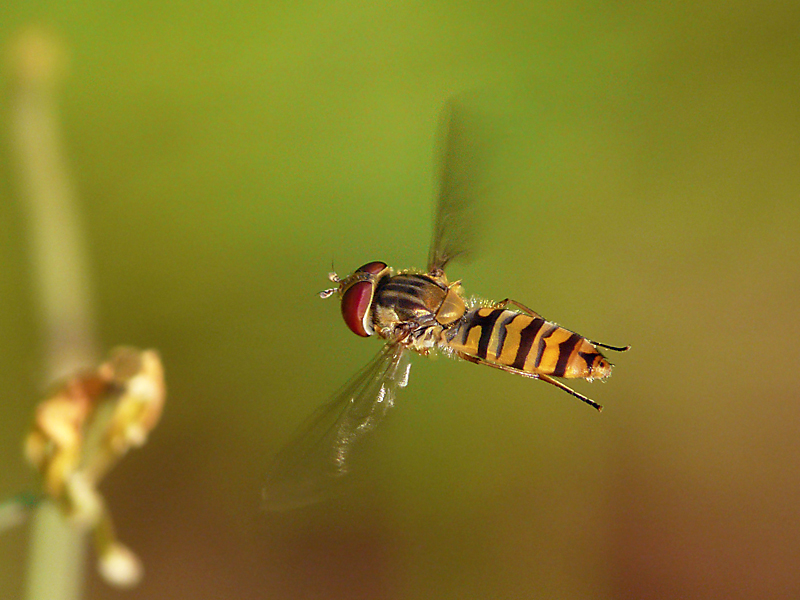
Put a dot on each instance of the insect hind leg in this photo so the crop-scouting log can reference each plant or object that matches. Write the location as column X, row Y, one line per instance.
column 519, row 305
column 543, row 377
column 533, row 313
column 570, row 391
column 614, row 348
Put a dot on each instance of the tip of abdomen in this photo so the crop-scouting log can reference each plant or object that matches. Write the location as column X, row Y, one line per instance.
column 601, row 369
column 588, row 363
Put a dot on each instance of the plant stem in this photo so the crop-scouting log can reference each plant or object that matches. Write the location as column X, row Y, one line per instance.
column 56, row 557
column 61, row 282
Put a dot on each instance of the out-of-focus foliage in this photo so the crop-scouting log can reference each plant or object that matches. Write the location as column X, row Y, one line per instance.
column 645, row 189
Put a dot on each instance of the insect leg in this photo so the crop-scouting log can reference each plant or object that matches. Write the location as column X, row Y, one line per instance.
column 543, row 377
column 519, row 305
column 569, row 390
column 614, row 348
column 525, row 309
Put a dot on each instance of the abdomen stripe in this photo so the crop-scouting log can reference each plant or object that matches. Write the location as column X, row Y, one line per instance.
column 486, row 323
column 565, row 350
column 526, row 338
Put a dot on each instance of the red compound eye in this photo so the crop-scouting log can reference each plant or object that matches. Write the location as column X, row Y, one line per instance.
column 359, row 291
column 372, row 268
column 355, row 308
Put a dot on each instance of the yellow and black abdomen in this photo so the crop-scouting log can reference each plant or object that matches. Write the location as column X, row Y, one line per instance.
column 526, row 343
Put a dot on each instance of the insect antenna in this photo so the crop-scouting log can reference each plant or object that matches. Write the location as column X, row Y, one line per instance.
column 335, row 279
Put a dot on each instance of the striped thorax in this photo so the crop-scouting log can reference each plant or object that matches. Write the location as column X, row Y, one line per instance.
column 414, row 309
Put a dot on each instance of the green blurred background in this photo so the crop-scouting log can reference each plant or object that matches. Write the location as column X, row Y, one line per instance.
column 225, row 152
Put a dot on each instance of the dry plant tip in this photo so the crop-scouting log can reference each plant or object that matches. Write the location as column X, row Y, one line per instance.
column 86, row 424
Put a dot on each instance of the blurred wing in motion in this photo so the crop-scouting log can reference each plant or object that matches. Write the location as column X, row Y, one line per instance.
column 312, row 464
column 454, row 230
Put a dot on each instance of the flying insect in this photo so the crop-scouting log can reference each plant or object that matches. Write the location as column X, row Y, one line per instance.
column 422, row 312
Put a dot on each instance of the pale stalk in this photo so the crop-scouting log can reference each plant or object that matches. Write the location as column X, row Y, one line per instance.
column 60, row 281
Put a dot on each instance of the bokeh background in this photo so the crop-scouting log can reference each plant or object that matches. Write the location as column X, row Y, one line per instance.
column 647, row 193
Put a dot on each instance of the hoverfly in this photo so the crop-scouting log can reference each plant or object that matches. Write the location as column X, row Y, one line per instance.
column 422, row 312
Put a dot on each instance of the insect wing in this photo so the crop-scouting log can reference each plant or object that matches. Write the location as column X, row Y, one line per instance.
column 313, row 463
column 453, row 230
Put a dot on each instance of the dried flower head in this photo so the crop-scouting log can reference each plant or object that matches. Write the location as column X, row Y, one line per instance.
column 84, row 426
